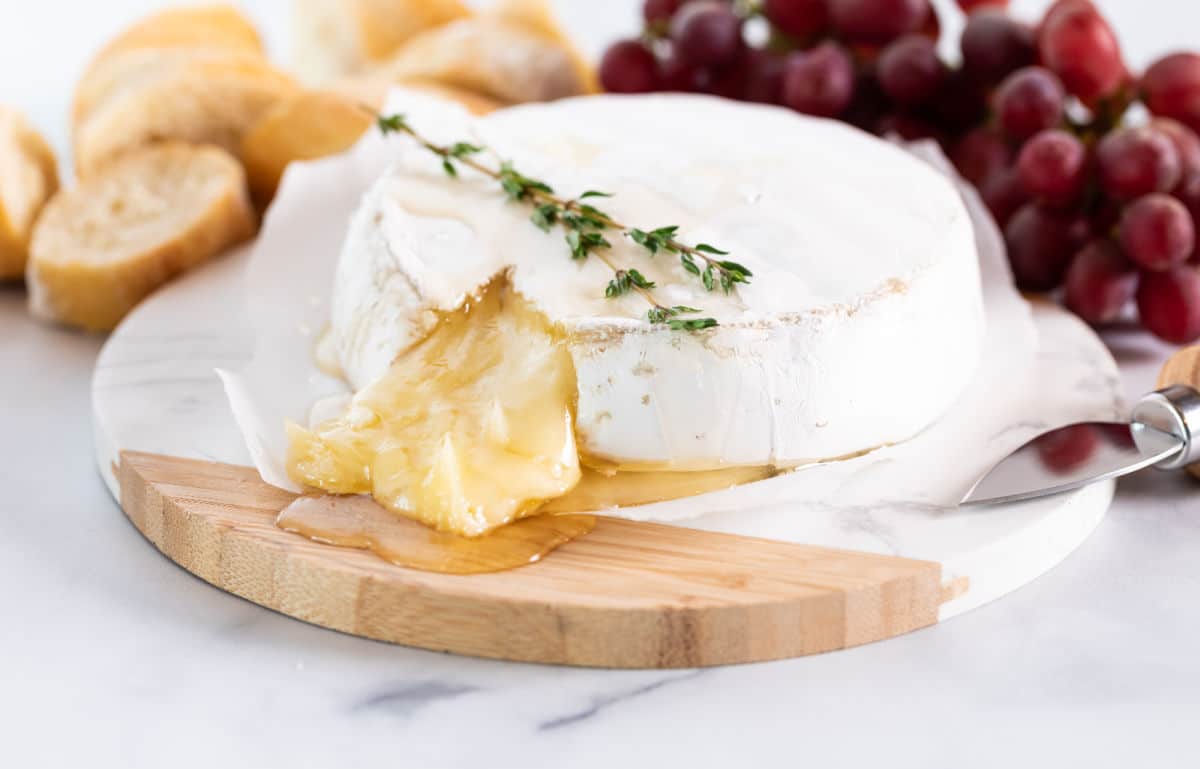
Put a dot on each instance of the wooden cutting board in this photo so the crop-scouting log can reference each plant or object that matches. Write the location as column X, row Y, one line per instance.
column 627, row 594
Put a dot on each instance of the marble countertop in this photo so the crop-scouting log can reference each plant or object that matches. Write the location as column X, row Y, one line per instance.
column 112, row 656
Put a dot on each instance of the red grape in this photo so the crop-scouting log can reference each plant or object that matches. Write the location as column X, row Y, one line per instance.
column 799, row 18
column 969, row 6
column 1063, row 6
column 878, row 21
column 994, row 45
column 1004, row 195
column 819, row 82
column 1106, row 217
column 1157, row 232
column 1171, row 88
column 658, row 13
column 980, row 154
column 910, row 71
column 726, row 82
column 1169, row 304
column 1066, row 448
column 1053, row 166
column 629, row 67
column 908, row 127
column 1041, row 242
column 1080, row 47
column 961, row 103
column 764, row 76
column 932, row 28
column 1186, row 142
column 1029, row 100
column 869, row 104
column 1188, row 193
column 1137, row 161
column 1100, row 283
column 707, row 33
column 675, row 73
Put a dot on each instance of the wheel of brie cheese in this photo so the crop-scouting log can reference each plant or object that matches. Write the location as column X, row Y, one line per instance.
column 861, row 325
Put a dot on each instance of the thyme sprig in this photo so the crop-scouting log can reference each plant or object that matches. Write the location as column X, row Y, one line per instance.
column 585, row 227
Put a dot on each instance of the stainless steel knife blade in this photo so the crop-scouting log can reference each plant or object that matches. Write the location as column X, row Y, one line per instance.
column 1164, row 432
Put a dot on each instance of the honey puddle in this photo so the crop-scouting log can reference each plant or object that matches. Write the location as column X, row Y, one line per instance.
column 362, row 523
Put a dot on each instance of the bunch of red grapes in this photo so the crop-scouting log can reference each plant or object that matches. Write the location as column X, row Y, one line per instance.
column 1092, row 171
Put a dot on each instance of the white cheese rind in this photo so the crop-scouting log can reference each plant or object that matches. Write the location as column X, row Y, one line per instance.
column 862, row 325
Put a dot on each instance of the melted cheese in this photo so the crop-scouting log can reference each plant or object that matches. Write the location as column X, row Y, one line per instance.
column 471, row 429
column 598, row 490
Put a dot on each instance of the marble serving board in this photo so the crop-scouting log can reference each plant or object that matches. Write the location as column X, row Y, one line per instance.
column 878, row 546
column 156, row 396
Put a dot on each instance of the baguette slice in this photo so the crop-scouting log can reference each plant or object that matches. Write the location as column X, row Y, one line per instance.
column 203, row 101
column 315, row 124
column 538, row 17
column 336, row 38
column 373, row 90
column 309, row 125
column 28, row 178
column 198, row 26
column 100, row 248
column 125, row 71
column 164, row 39
column 497, row 57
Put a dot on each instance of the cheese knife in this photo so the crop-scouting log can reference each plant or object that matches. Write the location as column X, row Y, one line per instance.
column 1163, row 432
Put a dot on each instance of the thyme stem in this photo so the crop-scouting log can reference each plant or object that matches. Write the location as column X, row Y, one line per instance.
column 584, row 225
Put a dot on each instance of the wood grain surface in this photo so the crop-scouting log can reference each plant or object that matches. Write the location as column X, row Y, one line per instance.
column 1183, row 368
column 631, row 595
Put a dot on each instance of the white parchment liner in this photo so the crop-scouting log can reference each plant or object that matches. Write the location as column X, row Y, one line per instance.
column 1018, row 391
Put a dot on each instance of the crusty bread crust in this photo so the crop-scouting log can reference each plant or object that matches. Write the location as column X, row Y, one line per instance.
column 28, row 178
column 338, row 38
column 538, row 17
column 315, row 124
column 309, row 125
column 494, row 57
column 199, row 100
column 124, row 71
column 100, row 248
column 199, row 26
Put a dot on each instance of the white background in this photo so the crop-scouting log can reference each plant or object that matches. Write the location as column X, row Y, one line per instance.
column 111, row 656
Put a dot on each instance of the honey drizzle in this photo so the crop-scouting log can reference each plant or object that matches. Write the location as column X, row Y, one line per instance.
column 362, row 523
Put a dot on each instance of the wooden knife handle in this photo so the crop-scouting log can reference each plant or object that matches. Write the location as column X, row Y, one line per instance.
column 1183, row 368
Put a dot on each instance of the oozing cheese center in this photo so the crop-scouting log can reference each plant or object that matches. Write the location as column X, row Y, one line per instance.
column 471, row 429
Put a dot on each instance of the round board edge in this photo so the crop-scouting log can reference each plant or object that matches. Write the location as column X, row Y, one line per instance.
column 628, row 595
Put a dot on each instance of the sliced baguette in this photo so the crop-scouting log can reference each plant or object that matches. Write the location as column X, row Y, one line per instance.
column 309, row 125
column 538, row 17
column 373, row 90
column 199, row 100
column 28, row 178
column 337, row 38
column 124, row 71
column 199, row 26
column 499, row 58
column 101, row 247
column 164, row 39
column 315, row 124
